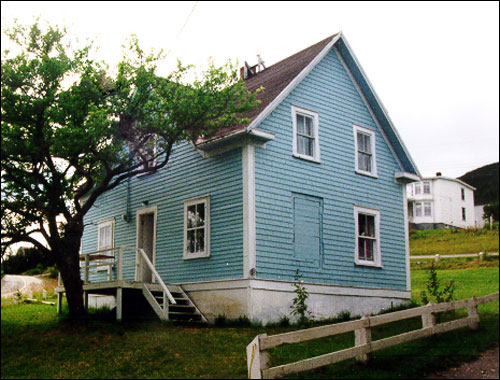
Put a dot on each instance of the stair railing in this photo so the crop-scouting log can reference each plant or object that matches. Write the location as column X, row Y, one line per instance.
column 144, row 258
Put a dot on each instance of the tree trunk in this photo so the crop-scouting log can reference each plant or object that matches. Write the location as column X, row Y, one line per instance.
column 67, row 258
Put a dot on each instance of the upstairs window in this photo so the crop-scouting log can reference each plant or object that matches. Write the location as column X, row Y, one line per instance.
column 365, row 151
column 305, row 134
column 367, row 237
column 197, row 228
column 427, row 187
column 418, row 188
column 463, row 194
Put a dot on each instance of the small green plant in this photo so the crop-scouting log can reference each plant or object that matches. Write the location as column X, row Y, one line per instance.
column 220, row 320
column 433, row 291
column 299, row 306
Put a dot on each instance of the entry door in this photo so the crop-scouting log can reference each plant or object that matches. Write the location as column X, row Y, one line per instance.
column 146, row 240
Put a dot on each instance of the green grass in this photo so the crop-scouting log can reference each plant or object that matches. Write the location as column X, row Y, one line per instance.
column 446, row 242
column 36, row 344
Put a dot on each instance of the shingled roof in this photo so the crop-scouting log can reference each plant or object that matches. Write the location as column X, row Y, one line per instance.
column 274, row 80
column 279, row 79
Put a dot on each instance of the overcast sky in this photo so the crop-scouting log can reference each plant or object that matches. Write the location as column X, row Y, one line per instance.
column 435, row 66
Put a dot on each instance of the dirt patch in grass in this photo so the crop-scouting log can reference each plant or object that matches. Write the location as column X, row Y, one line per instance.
column 486, row 367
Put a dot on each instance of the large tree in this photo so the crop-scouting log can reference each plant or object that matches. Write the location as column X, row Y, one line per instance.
column 72, row 130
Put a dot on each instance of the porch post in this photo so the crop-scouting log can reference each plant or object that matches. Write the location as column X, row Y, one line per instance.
column 119, row 302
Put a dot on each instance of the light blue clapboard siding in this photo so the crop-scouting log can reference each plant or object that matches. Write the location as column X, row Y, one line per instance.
column 187, row 175
column 329, row 91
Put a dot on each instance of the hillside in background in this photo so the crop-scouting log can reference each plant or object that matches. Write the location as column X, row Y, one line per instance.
column 485, row 180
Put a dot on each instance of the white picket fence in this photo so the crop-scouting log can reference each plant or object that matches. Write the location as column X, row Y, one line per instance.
column 258, row 355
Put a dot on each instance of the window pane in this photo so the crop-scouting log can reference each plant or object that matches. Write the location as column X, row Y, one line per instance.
column 427, row 209
column 361, row 249
column 369, row 249
column 305, row 145
column 418, row 209
column 365, row 249
column 300, row 124
column 370, row 224
column 427, row 188
column 191, row 216
column 200, row 240
column 309, row 127
column 105, row 237
column 191, row 241
column 200, row 214
column 361, row 142
column 418, row 188
column 362, row 225
column 364, row 162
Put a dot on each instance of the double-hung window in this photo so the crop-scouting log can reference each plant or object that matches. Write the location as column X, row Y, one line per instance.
column 366, row 162
column 305, row 134
column 464, row 215
column 197, row 228
column 462, row 192
column 427, row 209
column 367, row 226
column 105, row 241
column 427, row 187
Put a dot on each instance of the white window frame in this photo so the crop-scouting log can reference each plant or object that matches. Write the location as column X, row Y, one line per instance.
column 314, row 115
column 377, row 256
column 418, row 188
column 358, row 129
column 206, row 253
column 429, row 204
column 423, row 187
column 419, row 207
column 102, row 224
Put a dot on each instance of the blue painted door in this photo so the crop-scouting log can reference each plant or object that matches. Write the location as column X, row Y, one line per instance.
column 307, row 227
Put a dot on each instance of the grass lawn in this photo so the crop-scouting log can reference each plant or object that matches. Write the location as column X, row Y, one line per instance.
column 447, row 242
column 36, row 344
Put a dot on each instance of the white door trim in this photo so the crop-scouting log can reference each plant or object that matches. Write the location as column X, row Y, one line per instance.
column 150, row 210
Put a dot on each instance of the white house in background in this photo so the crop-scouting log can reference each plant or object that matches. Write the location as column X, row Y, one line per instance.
column 440, row 202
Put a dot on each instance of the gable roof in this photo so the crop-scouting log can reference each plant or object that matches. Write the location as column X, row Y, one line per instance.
column 281, row 78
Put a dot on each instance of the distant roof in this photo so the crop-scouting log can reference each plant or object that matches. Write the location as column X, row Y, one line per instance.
column 449, row 179
column 279, row 79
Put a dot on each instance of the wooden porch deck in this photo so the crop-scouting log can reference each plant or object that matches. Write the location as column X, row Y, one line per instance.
column 168, row 301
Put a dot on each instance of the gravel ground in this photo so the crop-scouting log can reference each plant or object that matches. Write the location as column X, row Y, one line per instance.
column 486, row 367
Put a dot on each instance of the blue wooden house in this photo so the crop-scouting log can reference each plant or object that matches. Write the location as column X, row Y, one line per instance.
column 315, row 182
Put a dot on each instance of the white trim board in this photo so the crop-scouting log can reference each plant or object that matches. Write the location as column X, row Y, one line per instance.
column 149, row 210
column 249, row 222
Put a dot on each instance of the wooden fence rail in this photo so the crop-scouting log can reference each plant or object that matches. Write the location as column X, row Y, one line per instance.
column 258, row 356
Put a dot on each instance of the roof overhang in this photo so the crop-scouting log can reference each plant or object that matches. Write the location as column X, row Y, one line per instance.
column 405, row 177
column 234, row 140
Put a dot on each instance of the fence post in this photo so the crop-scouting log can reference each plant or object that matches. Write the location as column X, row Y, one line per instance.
column 481, row 254
column 428, row 317
column 257, row 360
column 363, row 336
column 436, row 258
column 473, row 314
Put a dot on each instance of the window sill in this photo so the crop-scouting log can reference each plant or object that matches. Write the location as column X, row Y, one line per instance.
column 307, row 158
column 191, row 256
column 368, row 174
column 367, row 264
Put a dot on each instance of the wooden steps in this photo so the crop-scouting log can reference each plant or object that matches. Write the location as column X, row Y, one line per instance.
column 183, row 311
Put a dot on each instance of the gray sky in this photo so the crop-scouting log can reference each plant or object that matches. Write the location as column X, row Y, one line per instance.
column 434, row 65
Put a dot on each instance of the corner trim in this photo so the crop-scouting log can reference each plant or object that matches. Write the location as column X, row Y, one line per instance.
column 249, row 223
